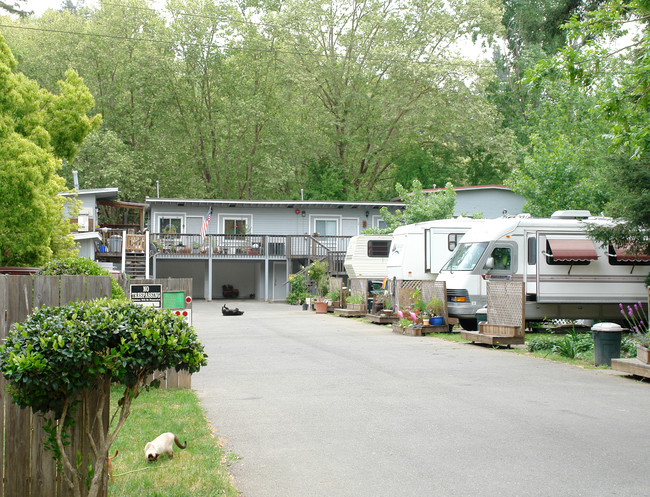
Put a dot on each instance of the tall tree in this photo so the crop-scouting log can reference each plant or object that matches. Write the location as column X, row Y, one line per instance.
column 37, row 130
column 380, row 75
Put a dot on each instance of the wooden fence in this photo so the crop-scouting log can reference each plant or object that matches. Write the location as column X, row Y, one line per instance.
column 26, row 469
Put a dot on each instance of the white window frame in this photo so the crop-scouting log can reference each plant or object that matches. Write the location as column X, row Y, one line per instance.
column 169, row 215
column 314, row 218
column 222, row 218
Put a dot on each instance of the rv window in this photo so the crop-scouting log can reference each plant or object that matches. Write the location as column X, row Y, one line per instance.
column 532, row 251
column 624, row 257
column 570, row 252
column 452, row 241
column 378, row 248
column 502, row 258
column 466, row 257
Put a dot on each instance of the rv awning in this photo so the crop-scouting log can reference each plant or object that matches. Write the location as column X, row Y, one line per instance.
column 576, row 249
column 624, row 255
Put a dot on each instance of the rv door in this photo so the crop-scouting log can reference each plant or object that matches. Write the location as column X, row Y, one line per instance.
column 530, row 273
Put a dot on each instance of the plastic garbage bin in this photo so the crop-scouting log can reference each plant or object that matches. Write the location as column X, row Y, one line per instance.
column 607, row 343
column 115, row 244
column 481, row 316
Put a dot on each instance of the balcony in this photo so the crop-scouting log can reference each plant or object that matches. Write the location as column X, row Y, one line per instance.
column 220, row 246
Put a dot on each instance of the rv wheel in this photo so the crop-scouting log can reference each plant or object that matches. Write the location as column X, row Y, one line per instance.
column 468, row 324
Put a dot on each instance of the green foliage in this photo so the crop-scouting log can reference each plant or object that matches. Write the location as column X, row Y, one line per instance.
column 420, row 206
column 37, row 129
column 600, row 49
column 317, row 273
column 81, row 265
column 570, row 345
column 279, row 110
column 57, row 352
column 355, row 298
column 298, row 292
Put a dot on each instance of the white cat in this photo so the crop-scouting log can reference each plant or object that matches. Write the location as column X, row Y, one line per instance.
column 164, row 444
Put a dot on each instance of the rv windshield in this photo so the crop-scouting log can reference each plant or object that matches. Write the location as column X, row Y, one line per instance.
column 466, row 257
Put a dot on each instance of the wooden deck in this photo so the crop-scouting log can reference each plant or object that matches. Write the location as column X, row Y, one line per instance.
column 631, row 366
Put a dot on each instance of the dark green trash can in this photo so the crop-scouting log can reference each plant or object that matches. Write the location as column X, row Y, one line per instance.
column 607, row 343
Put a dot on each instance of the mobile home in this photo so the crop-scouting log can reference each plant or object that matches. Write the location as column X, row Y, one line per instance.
column 367, row 256
column 566, row 274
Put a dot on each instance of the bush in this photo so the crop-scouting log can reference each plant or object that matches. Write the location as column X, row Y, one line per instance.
column 81, row 265
column 298, row 292
column 59, row 355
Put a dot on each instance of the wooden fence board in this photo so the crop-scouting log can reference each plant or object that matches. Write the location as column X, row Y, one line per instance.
column 73, row 288
column 46, row 291
column 98, row 287
column 43, row 468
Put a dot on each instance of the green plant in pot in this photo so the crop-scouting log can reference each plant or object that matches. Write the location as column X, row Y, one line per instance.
column 435, row 309
column 317, row 273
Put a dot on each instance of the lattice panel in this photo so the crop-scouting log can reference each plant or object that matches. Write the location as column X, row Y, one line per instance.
column 359, row 286
column 437, row 289
column 403, row 291
column 505, row 303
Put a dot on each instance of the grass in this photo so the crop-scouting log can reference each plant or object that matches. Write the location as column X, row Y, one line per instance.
column 201, row 469
column 555, row 347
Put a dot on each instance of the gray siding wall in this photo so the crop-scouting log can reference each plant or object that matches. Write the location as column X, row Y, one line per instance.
column 490, row 202
column 267, row 221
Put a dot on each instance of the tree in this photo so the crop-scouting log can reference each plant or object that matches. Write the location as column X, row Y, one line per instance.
column 419, row 206
column 60, row 355
column 590, row 59
column 567, row 160
column 37, row 130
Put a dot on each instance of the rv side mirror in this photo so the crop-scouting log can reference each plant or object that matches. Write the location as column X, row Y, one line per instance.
column 489, row 264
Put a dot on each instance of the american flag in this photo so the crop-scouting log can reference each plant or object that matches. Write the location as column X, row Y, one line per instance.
column 206, row 221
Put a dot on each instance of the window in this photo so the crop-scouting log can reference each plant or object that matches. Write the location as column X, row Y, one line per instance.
column 466, row 257
column 170, row 225
column 502, row 257
column 326, row 227
column 623, row 256
column 452, row 241
column 532, row 251
column 378, row 248
column 570, row 251
column 234, row 226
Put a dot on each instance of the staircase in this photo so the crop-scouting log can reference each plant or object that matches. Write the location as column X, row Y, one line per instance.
column 135, row 265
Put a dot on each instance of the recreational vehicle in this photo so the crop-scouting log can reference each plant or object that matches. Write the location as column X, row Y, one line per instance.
column 566, row 274
column 419, row 250
column 367, row 255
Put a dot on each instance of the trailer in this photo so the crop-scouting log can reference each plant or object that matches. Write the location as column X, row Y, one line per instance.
column 419, row 250
column 367, row 255
column 566, row 274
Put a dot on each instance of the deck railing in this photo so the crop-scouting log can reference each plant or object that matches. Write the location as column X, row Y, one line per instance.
column 248, row 246
column 222, row 246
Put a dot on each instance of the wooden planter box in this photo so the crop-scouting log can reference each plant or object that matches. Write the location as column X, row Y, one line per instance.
column 354, row 307
column 643, row 354
column 413, row 331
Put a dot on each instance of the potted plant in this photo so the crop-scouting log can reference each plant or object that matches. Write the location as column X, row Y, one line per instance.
column 334, row 296
column 355, row 302
column 317, row 273
column 435, row 310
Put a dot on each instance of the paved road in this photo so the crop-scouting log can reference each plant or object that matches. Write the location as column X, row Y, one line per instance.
column 317, row 405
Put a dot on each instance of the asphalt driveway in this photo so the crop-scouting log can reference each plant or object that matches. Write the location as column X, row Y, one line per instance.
column 317, row 405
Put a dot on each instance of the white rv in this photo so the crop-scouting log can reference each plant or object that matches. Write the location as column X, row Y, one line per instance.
column 419, row 250
column 566, row 274
column 367, row 255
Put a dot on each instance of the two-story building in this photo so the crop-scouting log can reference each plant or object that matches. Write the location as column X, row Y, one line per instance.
column 251, row 246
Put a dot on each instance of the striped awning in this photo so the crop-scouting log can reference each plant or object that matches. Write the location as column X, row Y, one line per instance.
column 623, row 254
column 572, row 249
